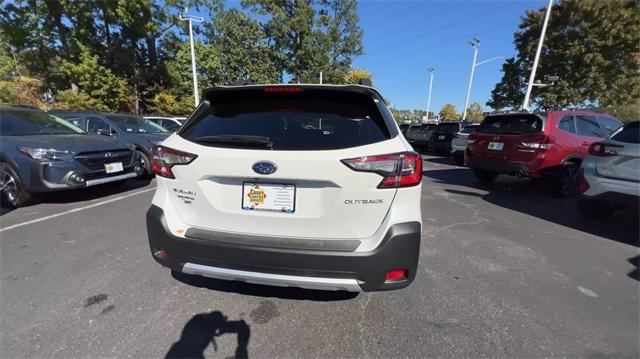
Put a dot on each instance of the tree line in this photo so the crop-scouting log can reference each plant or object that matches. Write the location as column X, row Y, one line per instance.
column 134, row 55
column 591, row 46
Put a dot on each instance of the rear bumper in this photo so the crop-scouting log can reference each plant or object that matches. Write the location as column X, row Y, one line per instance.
column 314, row 269
column 495, row 166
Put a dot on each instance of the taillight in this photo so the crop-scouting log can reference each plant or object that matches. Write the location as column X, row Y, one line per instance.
column 603, row 149
column 164, row 158
column 538, row 144
column 397, row 169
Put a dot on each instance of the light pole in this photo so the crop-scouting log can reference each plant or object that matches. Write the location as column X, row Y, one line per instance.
column 527, row 96
column 191, row 19
column 431, row 71
column 475, row 43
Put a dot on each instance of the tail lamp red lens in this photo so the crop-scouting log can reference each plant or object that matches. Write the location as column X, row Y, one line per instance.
column 398, row 169
column 164, row 158
column 603, row 149
column 396, row 275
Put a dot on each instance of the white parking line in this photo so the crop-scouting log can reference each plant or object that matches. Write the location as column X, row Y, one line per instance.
column 75, row 210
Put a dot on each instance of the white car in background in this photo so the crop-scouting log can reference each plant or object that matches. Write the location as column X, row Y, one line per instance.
column 611, row 174
column 309, row 186
column 460, row 141
column 170, row 123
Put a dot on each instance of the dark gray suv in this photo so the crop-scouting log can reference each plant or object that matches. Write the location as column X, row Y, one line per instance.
column 40, row 153
column 142, row 133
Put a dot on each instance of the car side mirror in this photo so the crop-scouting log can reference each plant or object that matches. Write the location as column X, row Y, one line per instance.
column 104, row 132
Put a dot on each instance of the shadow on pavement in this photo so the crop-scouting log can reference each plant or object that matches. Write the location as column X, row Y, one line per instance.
column 537, row 198
column 202, row 330
column 262, row 290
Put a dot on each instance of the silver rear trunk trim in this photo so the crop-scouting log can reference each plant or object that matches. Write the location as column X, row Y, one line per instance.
column 280, row 280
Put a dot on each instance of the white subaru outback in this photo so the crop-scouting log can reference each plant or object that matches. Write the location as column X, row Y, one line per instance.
column 307, row 186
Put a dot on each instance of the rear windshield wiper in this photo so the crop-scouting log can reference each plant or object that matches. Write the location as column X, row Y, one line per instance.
column 237, row 140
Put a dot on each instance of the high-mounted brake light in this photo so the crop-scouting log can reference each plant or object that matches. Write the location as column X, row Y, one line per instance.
column 283, row 89
column 164, row 158
column 603, row 149
column 397, row 169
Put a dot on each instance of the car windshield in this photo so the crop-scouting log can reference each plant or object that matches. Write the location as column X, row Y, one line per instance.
column 133, row 124
column 469, row 129
column 27, row 123
column 511, row 124
column 425, row 128
column 630, row 133
column 447, row 128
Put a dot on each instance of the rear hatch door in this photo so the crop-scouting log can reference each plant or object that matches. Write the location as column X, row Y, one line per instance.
column 295, row 185
column 509, row 137
column 626, row 163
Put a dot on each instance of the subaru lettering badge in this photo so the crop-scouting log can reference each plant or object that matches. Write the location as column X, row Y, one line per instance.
column 264, row 167
column 108, row 155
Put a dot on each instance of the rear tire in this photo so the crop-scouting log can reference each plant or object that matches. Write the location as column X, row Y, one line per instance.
column 12, row 191
column 485, row 176
column 566, row 182
column 146, row 164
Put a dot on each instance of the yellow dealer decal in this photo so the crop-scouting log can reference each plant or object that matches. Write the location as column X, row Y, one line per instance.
column 257, row 195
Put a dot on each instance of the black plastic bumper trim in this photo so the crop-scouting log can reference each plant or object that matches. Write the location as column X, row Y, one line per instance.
column 400, row 249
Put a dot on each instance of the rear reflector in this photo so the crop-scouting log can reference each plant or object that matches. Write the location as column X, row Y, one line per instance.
column 163, row 158
column 603, row 149
column 396, row 275
column 283, row 89
column 398, row 169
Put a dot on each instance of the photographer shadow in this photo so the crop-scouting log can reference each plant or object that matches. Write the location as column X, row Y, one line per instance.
column 202, row 329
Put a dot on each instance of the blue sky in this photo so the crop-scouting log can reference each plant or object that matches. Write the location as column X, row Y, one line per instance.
column 402, row 38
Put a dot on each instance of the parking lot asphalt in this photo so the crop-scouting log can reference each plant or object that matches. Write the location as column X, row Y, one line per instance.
column 506, row 270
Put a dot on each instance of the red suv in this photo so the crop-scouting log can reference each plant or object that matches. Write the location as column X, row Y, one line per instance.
column 536, row 145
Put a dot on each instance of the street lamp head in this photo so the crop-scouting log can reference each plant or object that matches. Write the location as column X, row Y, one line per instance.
column 430, row 69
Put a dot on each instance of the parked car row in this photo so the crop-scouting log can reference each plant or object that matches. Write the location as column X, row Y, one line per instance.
column 61, row 150
column 580, row 152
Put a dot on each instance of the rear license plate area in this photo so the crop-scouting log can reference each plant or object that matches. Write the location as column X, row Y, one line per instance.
column 495, row 146
column 268, row 197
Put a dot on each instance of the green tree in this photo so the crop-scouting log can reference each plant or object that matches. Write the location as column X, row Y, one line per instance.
column 475, row 112
column 591, row 45
column 449, row 113
column 247, row 54
column 311, row 36
column 354, row 76
column 110, row 92
column 179, row 69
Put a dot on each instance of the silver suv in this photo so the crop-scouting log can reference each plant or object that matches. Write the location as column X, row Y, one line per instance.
column 611, row 174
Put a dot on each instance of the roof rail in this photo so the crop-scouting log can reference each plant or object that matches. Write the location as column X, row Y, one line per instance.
column 365, row 82
column 242, row 82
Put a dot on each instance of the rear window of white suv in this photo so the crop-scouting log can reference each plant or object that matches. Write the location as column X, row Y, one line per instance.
column 293, row 121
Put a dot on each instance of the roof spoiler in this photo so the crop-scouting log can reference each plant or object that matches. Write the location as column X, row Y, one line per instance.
column 365, row 82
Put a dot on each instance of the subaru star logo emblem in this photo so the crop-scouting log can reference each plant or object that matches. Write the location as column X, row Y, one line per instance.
column 264, row 167
column 108, row 155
